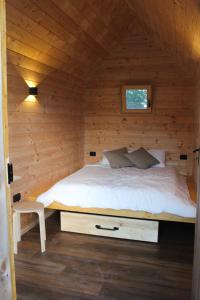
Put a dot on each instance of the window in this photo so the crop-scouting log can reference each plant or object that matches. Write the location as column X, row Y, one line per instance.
column 136, row 98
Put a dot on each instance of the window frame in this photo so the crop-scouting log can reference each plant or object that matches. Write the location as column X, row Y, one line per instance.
column 124, row 108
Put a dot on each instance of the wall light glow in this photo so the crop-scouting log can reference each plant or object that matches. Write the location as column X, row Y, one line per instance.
column 31, row 83
column 196, row 47
column 31, row 98
column 33, row 91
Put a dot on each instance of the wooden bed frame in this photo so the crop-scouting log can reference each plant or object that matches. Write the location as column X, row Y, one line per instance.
column 128, row 213
column 122, row 213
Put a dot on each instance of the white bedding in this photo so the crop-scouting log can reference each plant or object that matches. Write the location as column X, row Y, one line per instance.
column 155, row 190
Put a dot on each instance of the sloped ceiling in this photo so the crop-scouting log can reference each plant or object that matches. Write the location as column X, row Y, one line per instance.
column 172, row 24
column 72, row 36
column 69, row 36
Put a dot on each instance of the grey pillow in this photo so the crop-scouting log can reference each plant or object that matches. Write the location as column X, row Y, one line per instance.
column 142, row 159
column 117, row 158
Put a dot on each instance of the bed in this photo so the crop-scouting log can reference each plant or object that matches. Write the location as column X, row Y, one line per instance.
column 128, row 197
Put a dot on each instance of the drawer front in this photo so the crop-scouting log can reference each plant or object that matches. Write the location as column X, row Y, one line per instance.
column 134, row 229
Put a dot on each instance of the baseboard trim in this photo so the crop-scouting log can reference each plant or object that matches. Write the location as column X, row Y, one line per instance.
column 35, row 222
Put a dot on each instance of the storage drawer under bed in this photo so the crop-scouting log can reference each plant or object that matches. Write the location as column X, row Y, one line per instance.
column 125, row 228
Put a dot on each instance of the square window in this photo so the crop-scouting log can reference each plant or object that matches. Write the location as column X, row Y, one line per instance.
column 136, row 98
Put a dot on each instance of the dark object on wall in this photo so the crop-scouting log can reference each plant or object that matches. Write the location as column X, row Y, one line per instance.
column 17, row 197
column 196, row 150
column 92, row 153
column 183, row 157
column 10, row 173
column 33, row 91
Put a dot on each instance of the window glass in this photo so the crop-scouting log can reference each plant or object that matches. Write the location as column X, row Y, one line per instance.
column 136, row 99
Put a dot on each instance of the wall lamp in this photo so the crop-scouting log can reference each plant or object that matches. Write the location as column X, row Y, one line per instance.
column 33, row 92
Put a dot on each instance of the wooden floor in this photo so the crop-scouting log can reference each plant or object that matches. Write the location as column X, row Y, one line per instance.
column 87, row 267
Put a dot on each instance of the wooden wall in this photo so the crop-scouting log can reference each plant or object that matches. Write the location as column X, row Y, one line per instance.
column 54, row 45
column 197, row 109
column 170, row 126
column 173, row 25
column 197, row 122
column 77, row 51
column 46, row 137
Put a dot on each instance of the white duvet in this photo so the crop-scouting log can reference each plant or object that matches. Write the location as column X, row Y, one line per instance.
column 155, row 190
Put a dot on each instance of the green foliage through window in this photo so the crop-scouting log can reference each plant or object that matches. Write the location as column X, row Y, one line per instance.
column 136, row 99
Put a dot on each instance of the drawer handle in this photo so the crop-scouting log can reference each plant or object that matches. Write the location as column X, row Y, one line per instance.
column 105, row 228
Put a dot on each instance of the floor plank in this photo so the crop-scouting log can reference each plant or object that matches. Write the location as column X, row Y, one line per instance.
column 85, row 267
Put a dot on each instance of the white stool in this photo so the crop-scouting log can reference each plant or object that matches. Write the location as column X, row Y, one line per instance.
column 28, row 207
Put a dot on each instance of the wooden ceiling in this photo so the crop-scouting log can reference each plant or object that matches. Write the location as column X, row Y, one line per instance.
column 68, row 35
column 72, row 36
column 172, row 24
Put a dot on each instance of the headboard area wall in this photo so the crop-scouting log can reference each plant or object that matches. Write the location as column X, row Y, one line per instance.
column 171, row 123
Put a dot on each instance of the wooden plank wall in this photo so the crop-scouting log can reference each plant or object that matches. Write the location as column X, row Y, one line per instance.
column 197, row 110
column 173, row 25
column 46, row 138
column 75, row 51
column 52, row 45
column 197, row 123
column 196, row 268
column 170, row 126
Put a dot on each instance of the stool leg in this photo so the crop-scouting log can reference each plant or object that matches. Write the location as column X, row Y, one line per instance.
column 44, row 227
column 18, row 227
column 15, row 232
column 43, row 224
column 42, row 234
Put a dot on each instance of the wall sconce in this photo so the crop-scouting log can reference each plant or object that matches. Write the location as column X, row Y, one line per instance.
column 33, row 92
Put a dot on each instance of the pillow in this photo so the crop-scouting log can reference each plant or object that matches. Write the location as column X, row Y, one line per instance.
column 117, row 158
column 159, row 155
column 104, row 161
column 142, row 159
column 131, row 149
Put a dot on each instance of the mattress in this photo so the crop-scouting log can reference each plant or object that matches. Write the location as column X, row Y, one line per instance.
column 155, row 190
